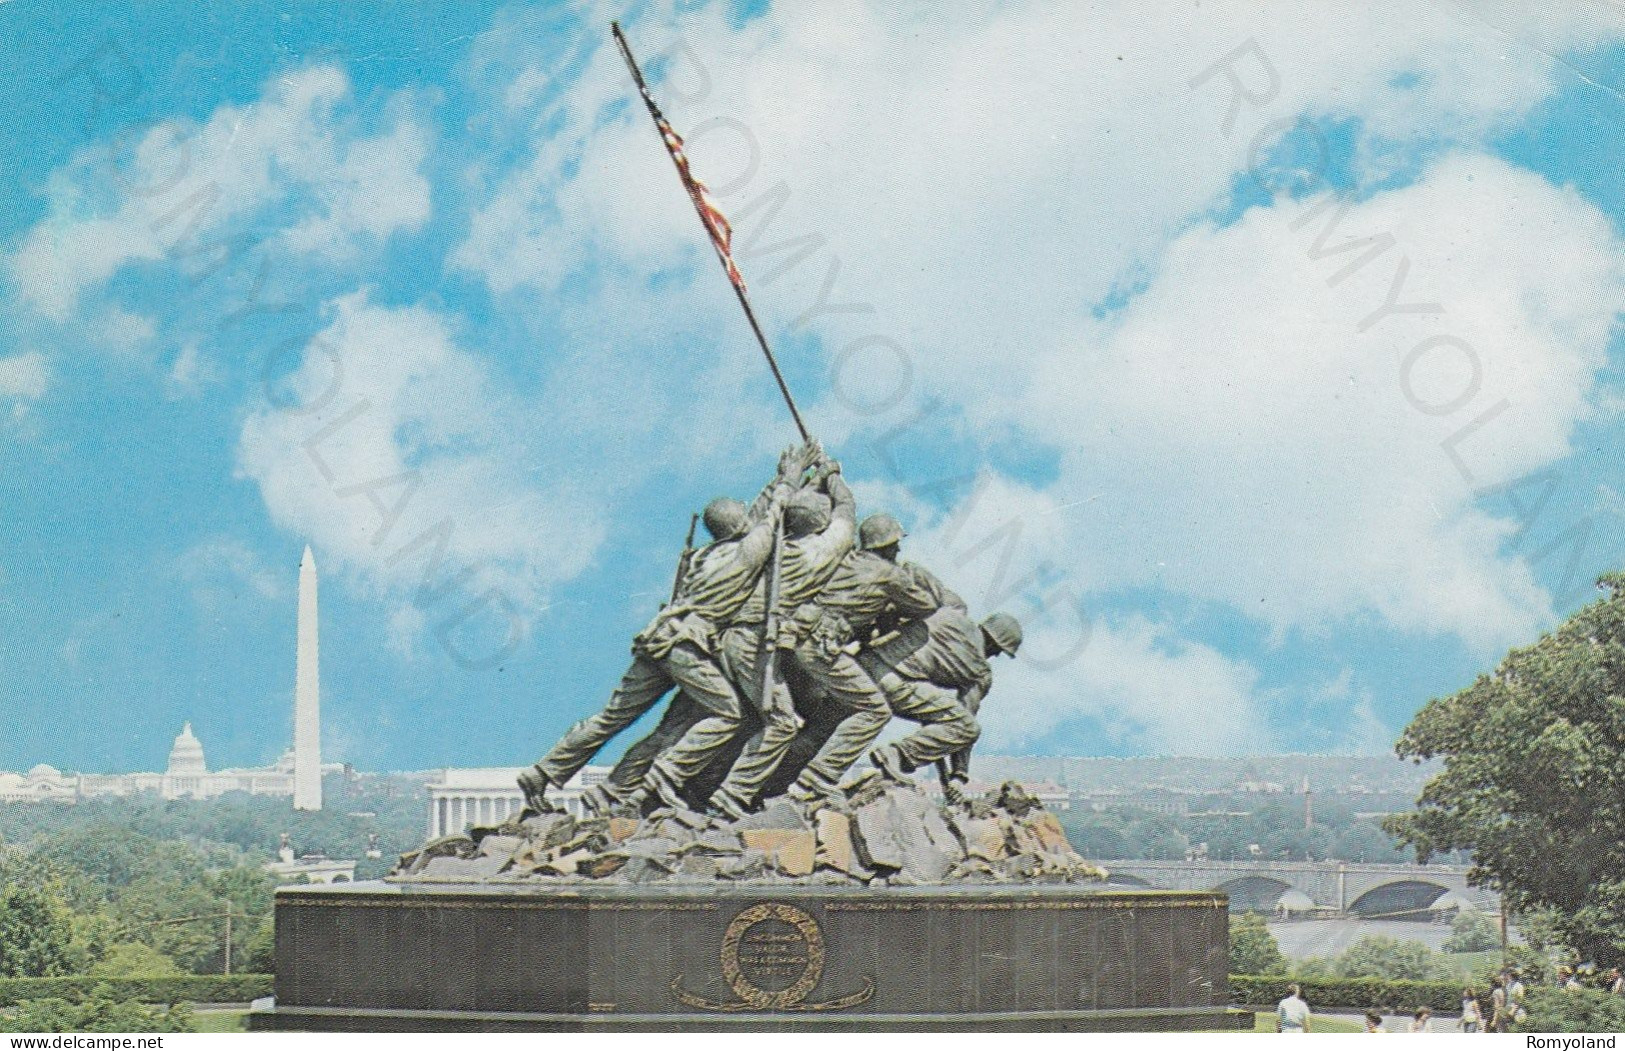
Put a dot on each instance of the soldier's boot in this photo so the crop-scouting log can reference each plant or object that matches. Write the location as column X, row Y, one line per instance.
column 533, row 784
column 810, row 797
column 888, row 759
column 663, row 790
column 597, row 801
column 723, row 805
column 635, row 803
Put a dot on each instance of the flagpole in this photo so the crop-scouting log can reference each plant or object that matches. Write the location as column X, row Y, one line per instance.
column 699, row 208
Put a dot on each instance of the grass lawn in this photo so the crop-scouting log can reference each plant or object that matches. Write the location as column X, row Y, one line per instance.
column 1265, row 1023
column 232, row 1021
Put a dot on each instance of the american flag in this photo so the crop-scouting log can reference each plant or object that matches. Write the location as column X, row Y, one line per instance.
column 716, row 224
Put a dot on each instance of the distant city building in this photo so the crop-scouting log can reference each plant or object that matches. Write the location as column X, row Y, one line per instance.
column 298, row 773
column 487, row 795
column 188, row 776
column 42, row 784
column 1153, row 800
column 312, row 868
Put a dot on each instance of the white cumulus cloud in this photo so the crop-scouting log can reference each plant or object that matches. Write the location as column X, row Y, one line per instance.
column 395, row 454
column 296, row 158
column 1247, row 432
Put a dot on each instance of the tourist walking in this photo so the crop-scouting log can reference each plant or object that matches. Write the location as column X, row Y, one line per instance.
column 1472, row 1015
column 1292, row 1013
column 1419, row 1021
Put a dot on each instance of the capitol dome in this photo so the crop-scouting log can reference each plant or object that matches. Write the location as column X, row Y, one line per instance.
column 187, row 755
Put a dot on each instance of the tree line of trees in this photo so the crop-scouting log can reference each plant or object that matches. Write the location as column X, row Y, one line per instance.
column 106, row 900
column 1277, row 829
column 1254, row 950
column 141, row 886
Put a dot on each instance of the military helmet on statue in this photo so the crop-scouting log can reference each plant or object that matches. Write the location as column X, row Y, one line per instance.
column 880, row 530
column 806, row 513
column 1005, row 631
column 726, row 518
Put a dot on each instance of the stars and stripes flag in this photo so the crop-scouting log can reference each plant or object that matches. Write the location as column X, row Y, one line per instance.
column 716, row 224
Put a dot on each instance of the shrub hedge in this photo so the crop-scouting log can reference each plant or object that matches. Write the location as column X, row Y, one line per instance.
column 1573, row 1011
column 186, row 988
column 1359, row 994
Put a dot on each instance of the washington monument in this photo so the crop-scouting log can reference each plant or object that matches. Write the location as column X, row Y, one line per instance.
column 307, row 698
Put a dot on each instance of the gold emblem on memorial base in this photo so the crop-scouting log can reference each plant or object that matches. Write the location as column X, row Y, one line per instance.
column 750, row 949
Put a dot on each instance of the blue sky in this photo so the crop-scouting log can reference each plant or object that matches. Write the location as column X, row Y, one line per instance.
column 1096, row 306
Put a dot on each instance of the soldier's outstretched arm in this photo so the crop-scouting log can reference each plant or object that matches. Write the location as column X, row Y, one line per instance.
column 756, row 545
column 844, row 512
column 825, row 548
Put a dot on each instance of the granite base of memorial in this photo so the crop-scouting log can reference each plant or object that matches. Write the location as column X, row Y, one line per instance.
column 885, row 912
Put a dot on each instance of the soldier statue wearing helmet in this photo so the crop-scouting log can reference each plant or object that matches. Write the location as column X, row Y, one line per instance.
column 680, row 649
column 862, row 636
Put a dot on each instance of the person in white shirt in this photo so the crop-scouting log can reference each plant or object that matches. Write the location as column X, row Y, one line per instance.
column 1472, row 1015
column 1292, row 1014
column 1515, row 995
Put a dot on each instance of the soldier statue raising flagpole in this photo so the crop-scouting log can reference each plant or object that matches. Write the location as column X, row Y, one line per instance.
column 866, row 635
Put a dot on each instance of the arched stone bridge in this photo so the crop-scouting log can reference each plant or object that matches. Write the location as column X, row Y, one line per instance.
column 1332, row 886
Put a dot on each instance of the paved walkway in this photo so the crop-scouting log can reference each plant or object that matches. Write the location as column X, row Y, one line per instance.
column 1397, row 1023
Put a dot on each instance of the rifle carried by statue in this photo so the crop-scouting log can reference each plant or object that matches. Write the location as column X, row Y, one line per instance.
column 684, row 560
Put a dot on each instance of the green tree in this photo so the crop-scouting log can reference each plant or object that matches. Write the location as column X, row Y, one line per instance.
column 1096, row 838
column 1365, row 841
column 134, row 960
column 1253, row 949
column 1472, row 931
column 181, row 920
column 259, row 951
column 1534, row 777
column 99, row 1014
column 1155, row 839
column 1570, row 1011
column 248, row 891
column 1540, row 932
column 1379, row 956
column 36, row 933
column 110, row 855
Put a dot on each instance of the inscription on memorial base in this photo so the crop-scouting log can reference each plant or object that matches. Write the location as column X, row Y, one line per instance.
column 376, row 957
